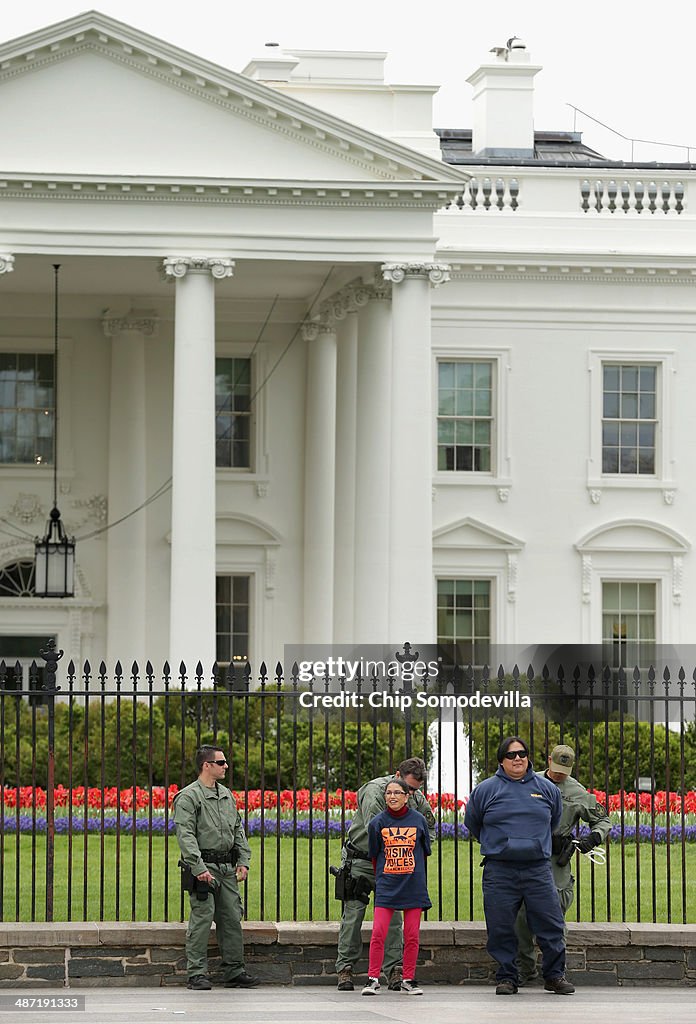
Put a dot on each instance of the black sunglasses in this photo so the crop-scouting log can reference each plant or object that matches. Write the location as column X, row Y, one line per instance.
column 512, row 755
column 221, row 763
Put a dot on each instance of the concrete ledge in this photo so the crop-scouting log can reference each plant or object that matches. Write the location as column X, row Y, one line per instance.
column 63, row 933
column 147, row 933
column 469, row 933
column 307, row 933
column 596, row 933
column 662, row 934
column 437, row 933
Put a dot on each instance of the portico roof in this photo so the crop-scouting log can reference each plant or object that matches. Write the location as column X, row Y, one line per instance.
column 329, row 143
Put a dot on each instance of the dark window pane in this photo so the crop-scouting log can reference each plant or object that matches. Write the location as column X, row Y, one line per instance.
column 611, row 378
column 610, row 460
column 611, row 404
column 629, row 460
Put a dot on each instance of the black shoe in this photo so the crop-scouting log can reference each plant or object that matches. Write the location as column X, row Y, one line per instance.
column 559, row 985
column 506, row 988
column 199, row 983
column 242, row 980
column 528, row 979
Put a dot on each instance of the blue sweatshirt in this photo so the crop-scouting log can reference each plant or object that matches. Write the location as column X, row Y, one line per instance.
column 513, row 818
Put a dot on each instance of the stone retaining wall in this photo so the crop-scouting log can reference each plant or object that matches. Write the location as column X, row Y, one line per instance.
column 83, row 955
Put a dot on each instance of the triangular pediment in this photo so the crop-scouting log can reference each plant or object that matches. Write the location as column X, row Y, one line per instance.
column 93, row 96
column 470, row 533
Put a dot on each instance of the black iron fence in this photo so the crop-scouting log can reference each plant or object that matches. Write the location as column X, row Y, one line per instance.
column 90, row 762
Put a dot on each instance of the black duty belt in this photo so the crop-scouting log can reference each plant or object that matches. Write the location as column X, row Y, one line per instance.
column 219, row 856
column 355, row 853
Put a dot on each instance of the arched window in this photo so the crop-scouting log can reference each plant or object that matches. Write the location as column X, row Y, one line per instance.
column 17, row 579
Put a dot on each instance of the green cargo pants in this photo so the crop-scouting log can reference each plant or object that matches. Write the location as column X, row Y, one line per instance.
column 225, row 908
column 349, row 939
column 526, row 959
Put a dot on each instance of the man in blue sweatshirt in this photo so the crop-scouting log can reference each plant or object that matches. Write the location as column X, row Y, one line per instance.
column 512, row 815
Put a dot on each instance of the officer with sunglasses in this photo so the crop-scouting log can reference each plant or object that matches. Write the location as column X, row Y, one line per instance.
column 512, row 815
column 214, row 848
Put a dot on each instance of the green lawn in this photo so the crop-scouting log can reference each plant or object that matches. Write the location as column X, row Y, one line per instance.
column 288, row 892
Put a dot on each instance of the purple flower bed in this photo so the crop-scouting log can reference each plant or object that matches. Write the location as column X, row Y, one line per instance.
column 318, row 828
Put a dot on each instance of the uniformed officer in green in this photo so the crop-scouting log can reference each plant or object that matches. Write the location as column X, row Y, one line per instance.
column 371, row 801
column 213, row 845
column 578, row 805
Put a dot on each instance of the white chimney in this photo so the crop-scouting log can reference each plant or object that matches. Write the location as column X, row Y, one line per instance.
column 504, row 103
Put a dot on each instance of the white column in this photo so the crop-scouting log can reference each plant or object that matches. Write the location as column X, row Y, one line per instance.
column 411, row 599
column 320, row 475
column 345, row 311
column 192, row 597
column 373, row 455
column 126, row 542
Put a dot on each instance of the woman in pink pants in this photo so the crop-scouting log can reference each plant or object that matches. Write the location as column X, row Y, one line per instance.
column 398, row 844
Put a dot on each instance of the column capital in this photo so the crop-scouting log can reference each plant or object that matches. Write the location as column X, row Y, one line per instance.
column 179, row 266
column 311, row 329
column 6, row 263
column 436, row 273
column 379, row 290
column 144, row 321
column 357, row 296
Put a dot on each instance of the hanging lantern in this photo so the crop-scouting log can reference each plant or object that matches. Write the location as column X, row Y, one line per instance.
column 54, row 556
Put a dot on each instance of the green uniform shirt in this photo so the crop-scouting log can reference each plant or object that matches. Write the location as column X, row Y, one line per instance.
column 578, row 805
column 208, row 819
column 371, row 801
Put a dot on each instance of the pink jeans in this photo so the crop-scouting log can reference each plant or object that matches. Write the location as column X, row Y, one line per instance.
column 380, row 926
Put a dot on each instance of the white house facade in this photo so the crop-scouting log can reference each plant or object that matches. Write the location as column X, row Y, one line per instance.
column 318, row 381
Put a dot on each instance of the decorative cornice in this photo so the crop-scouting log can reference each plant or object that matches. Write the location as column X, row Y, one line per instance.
column 605, row 273
column 143, row 321
column 179, row 266
column 6, row 263
column 436, row 273
column 225, row 191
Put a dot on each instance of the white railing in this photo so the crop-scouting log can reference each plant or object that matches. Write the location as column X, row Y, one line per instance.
column 482, row 194
column 632, row 196
column 563, row 191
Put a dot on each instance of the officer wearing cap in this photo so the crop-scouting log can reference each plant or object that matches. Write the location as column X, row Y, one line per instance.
column 214, row 847
column 578, row 805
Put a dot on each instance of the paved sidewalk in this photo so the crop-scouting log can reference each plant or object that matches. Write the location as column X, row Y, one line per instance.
column 446, row 1004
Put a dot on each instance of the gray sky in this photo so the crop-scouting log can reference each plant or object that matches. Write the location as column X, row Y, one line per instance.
column 628, row 65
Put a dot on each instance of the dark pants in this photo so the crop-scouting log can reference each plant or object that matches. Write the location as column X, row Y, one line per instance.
column 507, row 885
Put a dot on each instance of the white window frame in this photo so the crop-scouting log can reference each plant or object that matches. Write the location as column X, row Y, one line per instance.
column 259, row 470
column 499, row 474
column 629, row 578
column 251, row 576
column 469, row 549
column 640, row 551
column 493, row 579
column 663, row 478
